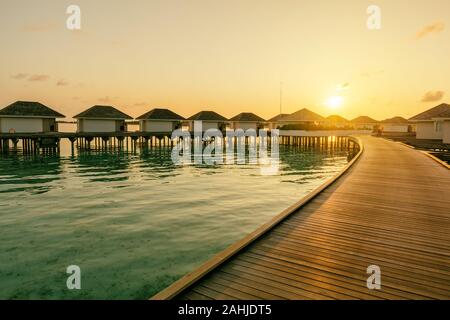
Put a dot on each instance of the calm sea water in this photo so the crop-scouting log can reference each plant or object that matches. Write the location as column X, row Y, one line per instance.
column 133, row 222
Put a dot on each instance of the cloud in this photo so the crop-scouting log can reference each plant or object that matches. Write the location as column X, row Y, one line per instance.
column 343, row 87
column 39, row 77
column 430, row 29
column 62, row 83
column 432, row 96
column 140, row 104
column 19, row 76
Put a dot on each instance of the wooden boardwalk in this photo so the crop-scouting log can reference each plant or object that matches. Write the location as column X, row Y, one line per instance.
column 391, row 209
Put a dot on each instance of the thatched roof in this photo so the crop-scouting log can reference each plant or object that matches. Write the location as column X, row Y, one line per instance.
column 278, row 117
column 247, row 117
column 103, row 112
column 303, row 115
column 336, row 118
column 397, row 120
column 29, row 109
column 445, row 114
column 364, row 119
column 207, row 116
column 440, row 111
column 160, row 114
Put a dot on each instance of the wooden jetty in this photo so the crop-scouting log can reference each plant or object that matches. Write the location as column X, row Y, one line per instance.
column 50, row 141
column 390, row 208
column 33, row 142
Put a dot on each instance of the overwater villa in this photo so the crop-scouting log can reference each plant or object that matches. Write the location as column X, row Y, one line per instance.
column 102, row 119
column 396, row 125
column 247, row 120
column 446, row 129
column 302, row 117
column 28, row 117
column 364, row 123
column 273, row 122
column 159, row 120
column 210, row 120
column 433, row 123
column 337, row 121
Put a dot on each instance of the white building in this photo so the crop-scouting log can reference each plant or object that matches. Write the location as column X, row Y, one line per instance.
column 395, row 125
column 364, row 123
column 247, row 120
column 300, row 119
column 159, row 120
column 273, row 122
column 336, row 121
column 103, row 119
column 446, row 131
column 209, row 119
column 430, row 123
column 28, row 117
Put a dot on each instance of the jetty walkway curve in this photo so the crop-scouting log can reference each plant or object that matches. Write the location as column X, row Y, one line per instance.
column 390, row 209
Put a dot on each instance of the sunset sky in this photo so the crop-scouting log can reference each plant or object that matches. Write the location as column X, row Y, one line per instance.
column 229, row 56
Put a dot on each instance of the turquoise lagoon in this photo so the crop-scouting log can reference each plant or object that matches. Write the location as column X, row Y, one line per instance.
column 132, row 221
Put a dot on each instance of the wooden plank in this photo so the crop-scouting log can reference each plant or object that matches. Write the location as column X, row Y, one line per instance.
column 409, row 277
column 314, row 274
column 189, row 279
column 390, row 209
column 355, row 278
column 228, row 281
column 374, row 254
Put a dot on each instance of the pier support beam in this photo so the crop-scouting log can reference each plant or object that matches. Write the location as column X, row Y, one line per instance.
column 88, row 142
column 72, row 144
column 15, row 141
column 134, row 145
column 120, row 142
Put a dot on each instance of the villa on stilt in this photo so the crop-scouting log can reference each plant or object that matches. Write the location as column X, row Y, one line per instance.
column 434, row 123
column 247, row 120
column 102, row 119
column 28, row 117
column 365, row 123
column 396, row 125
column 159, row 120
column 302, row 119
column 209, row 119
column 273, row 122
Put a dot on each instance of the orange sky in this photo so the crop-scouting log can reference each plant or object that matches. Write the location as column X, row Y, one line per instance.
column 229, row 56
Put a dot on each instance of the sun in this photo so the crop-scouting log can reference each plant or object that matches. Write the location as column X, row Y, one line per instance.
column 334, row 102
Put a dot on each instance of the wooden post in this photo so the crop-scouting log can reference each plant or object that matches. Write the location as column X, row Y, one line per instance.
column 134, row 145
column 15, row 141
column 120, row 142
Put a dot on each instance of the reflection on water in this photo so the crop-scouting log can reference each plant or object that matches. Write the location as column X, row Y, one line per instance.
column 133, row 222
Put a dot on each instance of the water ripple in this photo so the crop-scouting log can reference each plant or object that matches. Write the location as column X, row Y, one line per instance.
column 134, row 222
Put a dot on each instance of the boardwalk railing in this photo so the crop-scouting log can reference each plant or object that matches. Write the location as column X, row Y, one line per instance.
column 193, row 277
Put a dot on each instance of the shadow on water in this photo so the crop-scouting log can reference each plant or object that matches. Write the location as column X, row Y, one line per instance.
column 157, row 164
column 101, row 166
column 32, row 173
